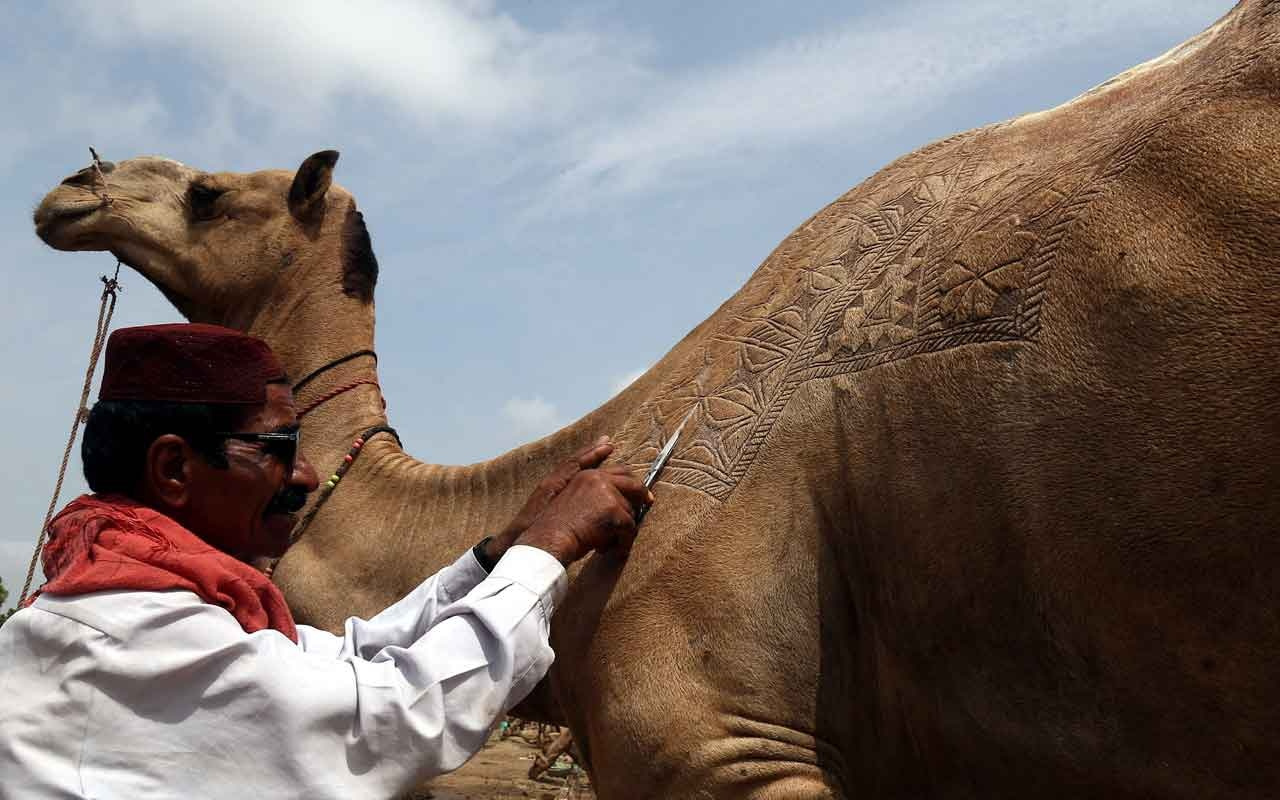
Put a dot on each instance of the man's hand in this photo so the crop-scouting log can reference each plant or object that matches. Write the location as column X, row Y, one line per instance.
column 596, row 511
column 552, row 485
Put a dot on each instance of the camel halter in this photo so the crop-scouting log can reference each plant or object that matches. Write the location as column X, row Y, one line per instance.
column 110, row 293
column 341, row 389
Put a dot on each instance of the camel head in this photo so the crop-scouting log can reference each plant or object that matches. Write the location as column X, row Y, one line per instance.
column 219, row 245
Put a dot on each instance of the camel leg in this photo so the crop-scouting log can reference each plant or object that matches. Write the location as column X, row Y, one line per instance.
column 543, row 761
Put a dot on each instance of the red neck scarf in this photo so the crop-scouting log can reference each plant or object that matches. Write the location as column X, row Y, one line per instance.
column 108, row 542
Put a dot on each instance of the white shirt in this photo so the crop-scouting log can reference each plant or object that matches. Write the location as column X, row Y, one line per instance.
column 131, row 694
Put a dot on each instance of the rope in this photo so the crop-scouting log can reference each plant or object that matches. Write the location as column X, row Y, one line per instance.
column 322, row 370
column 326, row 397
column 110, row 290
column 102, row 178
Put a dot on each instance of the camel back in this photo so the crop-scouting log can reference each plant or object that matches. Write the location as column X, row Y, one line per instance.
column 950, row 246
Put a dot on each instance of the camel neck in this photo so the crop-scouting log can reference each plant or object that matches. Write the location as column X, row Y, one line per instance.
column 312, row 331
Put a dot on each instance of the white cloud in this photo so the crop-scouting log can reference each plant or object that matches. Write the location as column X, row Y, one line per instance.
column 531, row 416
column 441, row 62
column 624, row 381
column 75, row 111
column 834, row 83
column 584, row 103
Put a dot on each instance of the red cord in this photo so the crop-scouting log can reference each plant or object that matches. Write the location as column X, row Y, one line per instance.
column 324, row 398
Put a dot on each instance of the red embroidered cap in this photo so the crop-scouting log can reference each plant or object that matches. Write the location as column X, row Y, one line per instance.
column 188, row 363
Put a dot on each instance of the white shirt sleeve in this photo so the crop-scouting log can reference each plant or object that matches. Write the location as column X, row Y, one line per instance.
column 402, row 622
column 432, row 675
column 156, row 694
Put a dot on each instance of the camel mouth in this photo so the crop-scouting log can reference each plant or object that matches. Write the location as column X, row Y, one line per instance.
column 54, row 217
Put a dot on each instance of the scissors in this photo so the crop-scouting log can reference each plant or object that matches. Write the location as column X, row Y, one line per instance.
column 655, row 469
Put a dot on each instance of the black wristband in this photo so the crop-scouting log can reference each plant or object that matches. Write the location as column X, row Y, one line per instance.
column 486, row 563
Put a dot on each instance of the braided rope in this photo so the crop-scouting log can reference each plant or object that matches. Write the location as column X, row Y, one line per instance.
column 110, row 289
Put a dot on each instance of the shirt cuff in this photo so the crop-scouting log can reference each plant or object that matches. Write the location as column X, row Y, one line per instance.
column 461, row 577
column 473, row 562
column 536, row 570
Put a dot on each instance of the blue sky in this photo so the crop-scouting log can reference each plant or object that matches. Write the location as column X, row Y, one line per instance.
column 557, row 192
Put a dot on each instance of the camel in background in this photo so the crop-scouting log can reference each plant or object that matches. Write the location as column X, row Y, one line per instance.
column 981, row 495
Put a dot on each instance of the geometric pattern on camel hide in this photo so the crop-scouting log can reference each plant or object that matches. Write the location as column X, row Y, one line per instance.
column 946, row 247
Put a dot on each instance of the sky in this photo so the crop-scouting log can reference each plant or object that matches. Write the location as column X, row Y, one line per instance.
column 557, row 192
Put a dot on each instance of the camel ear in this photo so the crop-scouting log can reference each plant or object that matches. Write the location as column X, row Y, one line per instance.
column 312, row 180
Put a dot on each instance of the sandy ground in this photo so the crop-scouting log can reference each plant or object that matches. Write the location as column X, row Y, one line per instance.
column 499, row 772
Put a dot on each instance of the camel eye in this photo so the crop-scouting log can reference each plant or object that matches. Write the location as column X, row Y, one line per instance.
column 204, row 201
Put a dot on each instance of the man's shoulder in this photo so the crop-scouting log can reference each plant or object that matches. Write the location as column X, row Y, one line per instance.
column 120, row 613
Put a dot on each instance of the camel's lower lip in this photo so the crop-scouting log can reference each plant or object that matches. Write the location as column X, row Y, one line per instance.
column 50, row 218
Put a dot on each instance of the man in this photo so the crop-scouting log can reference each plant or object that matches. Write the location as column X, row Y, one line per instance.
column 156, row 662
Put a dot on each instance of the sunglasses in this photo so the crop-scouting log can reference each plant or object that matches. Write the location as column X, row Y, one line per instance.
column 282, row 445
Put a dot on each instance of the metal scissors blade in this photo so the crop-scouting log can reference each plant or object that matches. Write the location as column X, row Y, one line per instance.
column 655, row 469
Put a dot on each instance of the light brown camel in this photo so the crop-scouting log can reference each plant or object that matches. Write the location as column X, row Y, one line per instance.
column 982, row 494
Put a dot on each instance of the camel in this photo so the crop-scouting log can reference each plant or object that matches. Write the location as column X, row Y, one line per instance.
column 980, row 494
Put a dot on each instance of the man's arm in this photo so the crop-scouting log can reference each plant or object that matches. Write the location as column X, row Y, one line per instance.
column 404, row 621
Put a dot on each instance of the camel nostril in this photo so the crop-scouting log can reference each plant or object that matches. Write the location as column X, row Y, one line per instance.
column 84, row 177
column 88, row 176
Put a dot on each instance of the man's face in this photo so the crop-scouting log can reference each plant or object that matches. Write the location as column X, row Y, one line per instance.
column 231, row 508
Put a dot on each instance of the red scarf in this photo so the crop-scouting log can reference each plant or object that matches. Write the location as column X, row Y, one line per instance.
column 108, row 542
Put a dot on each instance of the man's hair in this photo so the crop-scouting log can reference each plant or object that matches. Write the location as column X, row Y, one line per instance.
column 119, row 433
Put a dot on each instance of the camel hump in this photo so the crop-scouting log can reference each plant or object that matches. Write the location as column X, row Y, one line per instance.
column 949, row 246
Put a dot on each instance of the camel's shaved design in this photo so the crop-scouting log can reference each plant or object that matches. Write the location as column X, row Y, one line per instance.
column 905, row 264
column 980, row 497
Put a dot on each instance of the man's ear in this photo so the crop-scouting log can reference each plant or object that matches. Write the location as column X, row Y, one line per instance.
column 312, row 180
column 167, row 472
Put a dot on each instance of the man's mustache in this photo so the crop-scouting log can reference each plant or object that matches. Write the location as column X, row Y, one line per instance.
column 289, row 500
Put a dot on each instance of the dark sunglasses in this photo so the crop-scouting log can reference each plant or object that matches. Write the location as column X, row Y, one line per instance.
column 282, row 445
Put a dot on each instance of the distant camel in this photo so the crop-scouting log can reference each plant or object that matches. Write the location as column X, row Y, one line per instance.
column 982, row 496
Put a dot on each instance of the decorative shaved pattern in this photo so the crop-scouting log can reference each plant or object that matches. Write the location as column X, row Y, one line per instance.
column 943, row 249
